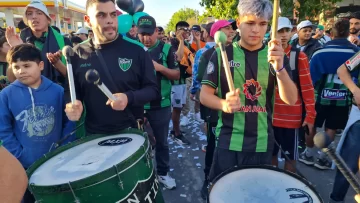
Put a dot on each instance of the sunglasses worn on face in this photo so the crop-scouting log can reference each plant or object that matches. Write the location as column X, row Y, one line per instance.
column 184, row 29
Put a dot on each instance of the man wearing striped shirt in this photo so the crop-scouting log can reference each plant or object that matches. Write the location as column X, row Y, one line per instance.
column 288, row 118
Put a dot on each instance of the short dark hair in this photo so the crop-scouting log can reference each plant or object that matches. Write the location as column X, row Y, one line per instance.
column 21, row 25
column 355, row 15
column 76, row 40
column 181, row 24
column 341, row 28
column 91, row 2
column 2, row 41
column 90, row 31
column 23, row 52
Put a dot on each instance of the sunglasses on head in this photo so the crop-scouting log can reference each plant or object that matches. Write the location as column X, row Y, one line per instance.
column 184, row 29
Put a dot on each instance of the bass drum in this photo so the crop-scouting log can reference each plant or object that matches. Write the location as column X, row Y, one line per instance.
column 98, row 168
column 260, row 184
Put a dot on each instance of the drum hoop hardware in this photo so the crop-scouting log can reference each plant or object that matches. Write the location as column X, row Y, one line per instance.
column 120, row 183
column 147, row 156
column 36, row 201
column 73, row 193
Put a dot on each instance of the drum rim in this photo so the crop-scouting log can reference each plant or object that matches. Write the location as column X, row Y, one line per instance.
column 269, row 167
column 87, row 182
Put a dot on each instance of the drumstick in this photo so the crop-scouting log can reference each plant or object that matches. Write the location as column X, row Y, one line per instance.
column 92, row 76
column 220, row 39
column 67, row 51
column 275, row 18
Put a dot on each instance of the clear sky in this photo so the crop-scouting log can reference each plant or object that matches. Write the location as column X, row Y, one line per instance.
column 162, row 10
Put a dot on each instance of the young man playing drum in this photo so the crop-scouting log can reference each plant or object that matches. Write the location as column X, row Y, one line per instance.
column 244, row 130
column 123, row 66
column 158, row 112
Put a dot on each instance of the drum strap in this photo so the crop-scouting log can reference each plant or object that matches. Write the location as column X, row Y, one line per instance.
column 137, row 122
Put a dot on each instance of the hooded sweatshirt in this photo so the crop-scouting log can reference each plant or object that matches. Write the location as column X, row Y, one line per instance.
column 31, row 120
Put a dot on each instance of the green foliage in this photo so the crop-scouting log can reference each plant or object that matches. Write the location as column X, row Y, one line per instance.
column 184, row 14
column 308, row 9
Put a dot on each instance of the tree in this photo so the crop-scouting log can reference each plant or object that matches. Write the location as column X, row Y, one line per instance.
column 184, row 14
column 307, row 9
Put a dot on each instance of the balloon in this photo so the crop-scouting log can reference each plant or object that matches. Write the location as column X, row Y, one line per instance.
column 138, row 6
column 138, row 15
column 126, row 5
column 125, row 23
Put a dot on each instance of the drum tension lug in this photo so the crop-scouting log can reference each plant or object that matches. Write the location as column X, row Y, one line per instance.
column 147, row 156
column 73, row 193
column 121, row 184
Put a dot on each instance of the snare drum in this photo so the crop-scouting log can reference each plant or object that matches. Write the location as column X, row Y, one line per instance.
column 98, row 169
column 261, row 184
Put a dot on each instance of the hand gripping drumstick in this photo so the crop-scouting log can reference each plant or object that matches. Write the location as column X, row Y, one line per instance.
column 323, row 141
column 67, row 51
column 220, row 39
column 92, row 76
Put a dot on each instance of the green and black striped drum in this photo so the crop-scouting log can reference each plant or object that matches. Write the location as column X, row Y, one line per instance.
column 97, row 169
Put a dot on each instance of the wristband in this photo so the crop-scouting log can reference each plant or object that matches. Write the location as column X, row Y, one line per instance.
column 353, row 62
column 280, row 69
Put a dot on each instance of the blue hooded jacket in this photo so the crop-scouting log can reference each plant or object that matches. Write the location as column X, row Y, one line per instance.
column 31, row 120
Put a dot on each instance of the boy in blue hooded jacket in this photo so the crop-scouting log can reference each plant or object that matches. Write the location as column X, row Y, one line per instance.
column 32, row 108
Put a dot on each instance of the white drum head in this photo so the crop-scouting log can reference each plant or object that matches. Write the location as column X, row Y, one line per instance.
column 258, row 185
column 86, row 159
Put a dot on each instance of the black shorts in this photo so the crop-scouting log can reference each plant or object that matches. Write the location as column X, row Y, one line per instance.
column 287, row 138
column 335, row 117
column 225, row 159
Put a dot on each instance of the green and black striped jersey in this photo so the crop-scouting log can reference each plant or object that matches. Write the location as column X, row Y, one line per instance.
column 250, row 129
column 165, row 55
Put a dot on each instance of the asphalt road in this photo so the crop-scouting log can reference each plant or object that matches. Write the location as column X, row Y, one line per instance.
column 187, row 163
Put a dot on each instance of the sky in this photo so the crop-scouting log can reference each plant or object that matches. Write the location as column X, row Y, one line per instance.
column 162, row 10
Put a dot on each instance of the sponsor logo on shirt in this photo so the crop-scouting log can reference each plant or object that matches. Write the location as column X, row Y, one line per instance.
column 85, row 65
column 248, row 94
column 125, row 64
column 253, row 96
column 234, row 64
column 334, row 94
column 210, row 68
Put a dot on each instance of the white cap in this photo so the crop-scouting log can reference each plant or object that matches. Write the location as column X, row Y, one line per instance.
column 305, row 23
column 82, row 31
column 38, row 4
column 284, row 23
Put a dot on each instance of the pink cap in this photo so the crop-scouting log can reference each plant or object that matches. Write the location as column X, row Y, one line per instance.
column 218, row 25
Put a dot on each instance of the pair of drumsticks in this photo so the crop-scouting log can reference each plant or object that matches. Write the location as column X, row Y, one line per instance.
column 220, row 39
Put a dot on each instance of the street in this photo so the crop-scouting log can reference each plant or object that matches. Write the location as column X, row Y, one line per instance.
column 187, row 164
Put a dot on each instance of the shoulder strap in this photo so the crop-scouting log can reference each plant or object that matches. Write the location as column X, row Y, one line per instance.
column 108, row 75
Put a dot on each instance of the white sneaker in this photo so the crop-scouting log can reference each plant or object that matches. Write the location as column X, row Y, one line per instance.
column 167, row 181
column 184, row 121
column 198, row 117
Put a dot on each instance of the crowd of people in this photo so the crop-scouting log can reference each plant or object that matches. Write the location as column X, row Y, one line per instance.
column 285, row 88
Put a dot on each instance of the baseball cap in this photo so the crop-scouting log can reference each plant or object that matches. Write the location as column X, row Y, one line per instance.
column 38, row 5
column 207, row 27
column 321, row 27
column 196, row 28
column 304, row 24
column 146, row 25
column 81, row 31
column 284, row 23
column 160, row 28
column 218, row 25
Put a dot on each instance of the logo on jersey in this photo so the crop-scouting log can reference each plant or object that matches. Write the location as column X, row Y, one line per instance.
column 210, row 68
column 161, row 55
column 234, row 64
column 332, row 94
column 300, row 195
column 214, row 130
column 125, row 64
column 258, row 89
